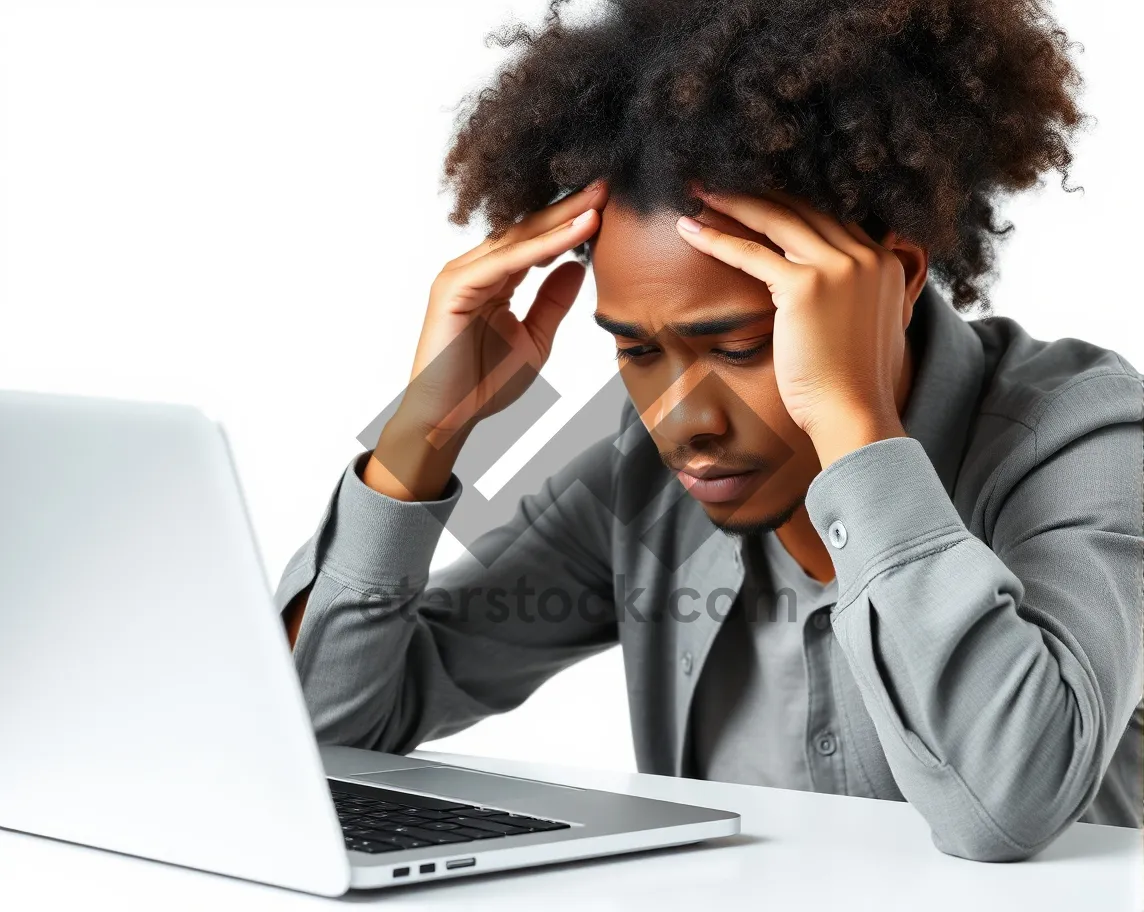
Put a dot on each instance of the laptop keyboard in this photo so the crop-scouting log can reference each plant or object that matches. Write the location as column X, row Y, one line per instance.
column 381, row 820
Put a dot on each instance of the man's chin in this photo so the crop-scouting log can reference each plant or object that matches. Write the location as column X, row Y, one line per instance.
column 741, row 524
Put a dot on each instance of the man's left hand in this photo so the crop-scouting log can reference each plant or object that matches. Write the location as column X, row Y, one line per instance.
column 839, row 332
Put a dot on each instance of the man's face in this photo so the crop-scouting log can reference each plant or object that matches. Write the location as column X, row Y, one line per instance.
column 706, row 393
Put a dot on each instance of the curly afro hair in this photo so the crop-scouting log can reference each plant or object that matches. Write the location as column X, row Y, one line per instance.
column 914, row 115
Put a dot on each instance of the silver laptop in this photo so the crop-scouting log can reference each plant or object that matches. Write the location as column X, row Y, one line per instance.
column 150, row 704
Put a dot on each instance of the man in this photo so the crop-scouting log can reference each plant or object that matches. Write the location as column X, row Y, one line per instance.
column 847, row 540
column 965, row 624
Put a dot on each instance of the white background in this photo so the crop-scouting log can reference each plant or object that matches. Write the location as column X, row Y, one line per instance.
column 236, row 204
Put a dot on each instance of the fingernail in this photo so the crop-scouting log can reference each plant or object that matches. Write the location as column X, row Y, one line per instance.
column 594, row 186
column 582, row 218
column 689, row 224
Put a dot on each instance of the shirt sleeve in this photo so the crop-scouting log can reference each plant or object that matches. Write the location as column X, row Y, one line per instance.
column 999, row 677
column 390, row 655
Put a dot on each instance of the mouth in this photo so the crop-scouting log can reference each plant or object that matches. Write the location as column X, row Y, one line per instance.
column 715, row 484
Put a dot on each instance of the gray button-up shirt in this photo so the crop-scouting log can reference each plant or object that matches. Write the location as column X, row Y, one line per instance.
column 983, row 658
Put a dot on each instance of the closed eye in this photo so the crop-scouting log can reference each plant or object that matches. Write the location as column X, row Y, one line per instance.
column 634, row 353
column 740, row 354
column 637, row 353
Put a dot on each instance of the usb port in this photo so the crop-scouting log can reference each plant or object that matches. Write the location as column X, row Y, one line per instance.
column 401, row 872
column 460, row 863
column 427, row 868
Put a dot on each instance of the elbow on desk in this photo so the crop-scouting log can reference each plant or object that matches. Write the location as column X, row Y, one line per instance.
column 980, row 847
column 1015, row 830
column 1012, row 811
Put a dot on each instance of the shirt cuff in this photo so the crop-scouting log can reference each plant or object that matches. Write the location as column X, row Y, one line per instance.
column 374, row 540
column 880, row 506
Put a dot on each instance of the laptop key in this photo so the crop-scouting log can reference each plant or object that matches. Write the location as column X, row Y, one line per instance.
column 432, row 836
column 370, row 846
column 545, row 825
column 436, row 837
column 375, row 848
column 477, row 834
column 403, row 841
column 531, row 822
column 437, row 825
column 483, row 823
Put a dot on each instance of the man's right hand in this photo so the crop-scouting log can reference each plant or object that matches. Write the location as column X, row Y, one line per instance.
column 474, row 357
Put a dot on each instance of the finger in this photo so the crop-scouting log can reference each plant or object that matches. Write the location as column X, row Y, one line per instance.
column 536, row 223
column 829, row 227
column 783, row 225
column 498, row 264
column 554, row 299
column 505, row 371
column 517, row 277
column 514, row 280
column 511, row 284
column 750, row 256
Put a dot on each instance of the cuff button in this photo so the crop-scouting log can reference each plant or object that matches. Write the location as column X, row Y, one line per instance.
column 837, row 533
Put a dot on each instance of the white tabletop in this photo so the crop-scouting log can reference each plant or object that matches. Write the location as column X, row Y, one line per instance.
column 797, row 851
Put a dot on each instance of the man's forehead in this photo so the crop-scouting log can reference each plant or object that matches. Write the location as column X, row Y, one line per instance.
column 634, row 253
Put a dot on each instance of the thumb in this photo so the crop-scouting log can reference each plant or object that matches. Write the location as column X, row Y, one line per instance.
column 553, row 300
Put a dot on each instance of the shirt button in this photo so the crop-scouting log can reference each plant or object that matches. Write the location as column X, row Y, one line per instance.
column 825, row 744
column 822, row 620
column 375, row 605
column 685, row 662
column 837, row 534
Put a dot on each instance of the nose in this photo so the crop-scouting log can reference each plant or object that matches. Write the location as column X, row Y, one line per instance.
column 691, row 410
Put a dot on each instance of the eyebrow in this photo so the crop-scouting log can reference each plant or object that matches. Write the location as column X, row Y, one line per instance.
column 711, row 327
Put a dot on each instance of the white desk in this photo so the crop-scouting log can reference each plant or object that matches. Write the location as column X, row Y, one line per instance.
column 798, row 851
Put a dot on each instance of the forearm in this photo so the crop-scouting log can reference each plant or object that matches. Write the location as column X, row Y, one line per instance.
column 368, row 559
column 996, row 722
column 389, row 655
column 405, row 466
column 371, row 671
column 412, row 463
column 992, row 725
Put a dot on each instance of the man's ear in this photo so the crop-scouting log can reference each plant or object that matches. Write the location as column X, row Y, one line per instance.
column 915, row 264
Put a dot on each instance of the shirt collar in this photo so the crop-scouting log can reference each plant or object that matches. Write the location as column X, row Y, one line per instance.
column 948, row 379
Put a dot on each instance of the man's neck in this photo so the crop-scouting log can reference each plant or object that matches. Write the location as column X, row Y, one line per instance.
column 798, row 535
